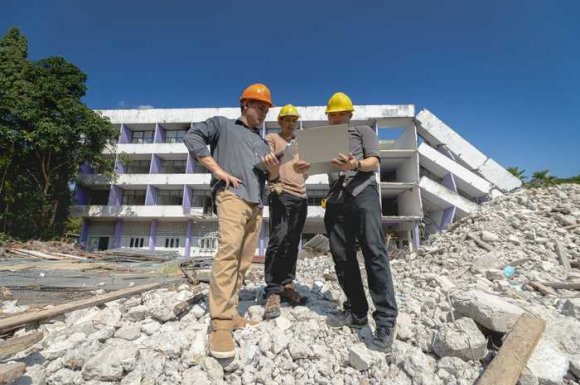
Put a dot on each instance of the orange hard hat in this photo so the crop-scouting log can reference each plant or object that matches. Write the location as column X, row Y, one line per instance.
column 259, row 92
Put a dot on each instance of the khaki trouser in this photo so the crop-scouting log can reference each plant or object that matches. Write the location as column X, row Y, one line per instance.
column 239, row 227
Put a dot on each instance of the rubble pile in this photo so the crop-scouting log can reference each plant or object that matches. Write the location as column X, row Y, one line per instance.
column 458, row 295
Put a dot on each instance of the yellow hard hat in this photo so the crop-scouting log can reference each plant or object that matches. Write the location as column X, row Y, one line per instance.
column 339, row 102
column 288, row 110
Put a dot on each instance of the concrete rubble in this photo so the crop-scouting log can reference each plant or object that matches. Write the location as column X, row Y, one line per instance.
column 452, row 316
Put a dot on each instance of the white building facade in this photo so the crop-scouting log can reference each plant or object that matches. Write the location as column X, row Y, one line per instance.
column 159, row 198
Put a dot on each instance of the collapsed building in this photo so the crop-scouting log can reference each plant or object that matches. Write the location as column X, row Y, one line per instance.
column 159, row 198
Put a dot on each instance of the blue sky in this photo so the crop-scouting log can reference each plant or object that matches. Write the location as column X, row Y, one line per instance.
column 504, row 74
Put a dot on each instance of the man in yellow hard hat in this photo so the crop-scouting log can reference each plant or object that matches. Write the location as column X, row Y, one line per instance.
column 353, row 212
column 238, row 187
column 288, row 207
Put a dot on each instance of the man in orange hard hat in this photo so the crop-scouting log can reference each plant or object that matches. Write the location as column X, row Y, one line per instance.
column 238, row 187
column 288, row 207
column 353, row 212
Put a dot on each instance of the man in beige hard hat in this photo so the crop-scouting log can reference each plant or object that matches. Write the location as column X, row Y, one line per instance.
column 238, row 187
column 353, row 212
column 288, row 207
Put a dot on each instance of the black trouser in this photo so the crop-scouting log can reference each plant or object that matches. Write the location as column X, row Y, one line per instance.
column 360, row 218
column 287, row 217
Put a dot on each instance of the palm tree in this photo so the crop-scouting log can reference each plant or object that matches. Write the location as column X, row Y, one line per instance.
column 517, row 172
column 543, row 178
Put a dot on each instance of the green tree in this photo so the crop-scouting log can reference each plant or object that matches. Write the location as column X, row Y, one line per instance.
column 517, row 172
column 542, row 179
column 46, row 132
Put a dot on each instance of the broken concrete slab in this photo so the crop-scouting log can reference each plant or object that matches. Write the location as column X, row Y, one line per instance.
column 548, row 363
column 361, row 358
column 437, row 133
column 439, row 196
column 485, row 262
column 440, row 165
column 491, row 311
column 460, row 339
column 499, row 176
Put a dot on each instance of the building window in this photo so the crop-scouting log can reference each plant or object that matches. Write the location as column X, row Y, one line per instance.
column 134, row 197
column 174, row 166
column 141, row 137
column 170, row 198
column 139, row 167
column 174, row 136
column 99, row 197
column 314, row 201
column 315, row 196
column 171, row 243
column 137, row 242
column 198, row 197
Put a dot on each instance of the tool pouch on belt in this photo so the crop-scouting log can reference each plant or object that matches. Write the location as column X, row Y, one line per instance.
column 276, row 187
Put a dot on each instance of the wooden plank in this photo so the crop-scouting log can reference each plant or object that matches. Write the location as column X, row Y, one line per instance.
column 507, row 365
column 11, row 372
column 479, row 242
column 562, row 256
column 17, row 344
column 37, row 254
column 563, row 285
column 545, row 290
column 70, row 256
column 15, row 321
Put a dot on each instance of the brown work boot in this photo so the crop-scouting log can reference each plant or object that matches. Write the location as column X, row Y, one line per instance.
column 241, row 322
column 272, row 308
column 292, row 296
column 221, row 344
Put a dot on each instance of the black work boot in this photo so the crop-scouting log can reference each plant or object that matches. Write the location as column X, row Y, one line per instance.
column 383, row 339
column 346, row 318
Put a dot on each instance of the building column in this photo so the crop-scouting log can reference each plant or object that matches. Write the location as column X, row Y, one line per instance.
column 126, row 135
column 188, row 232
column 449, row 213
column 118, row 232
column 156, row 165
column 115, row 196
column 416, row 240
column 82, row 196
column 151, row 195
column 153, row 234
column 84, row 236
column 159, row 136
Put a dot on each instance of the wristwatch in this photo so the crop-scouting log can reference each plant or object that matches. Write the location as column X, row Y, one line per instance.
column 358, row 165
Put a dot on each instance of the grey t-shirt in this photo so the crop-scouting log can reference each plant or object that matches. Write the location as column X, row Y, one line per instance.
column 363, row 143
column 236, row 148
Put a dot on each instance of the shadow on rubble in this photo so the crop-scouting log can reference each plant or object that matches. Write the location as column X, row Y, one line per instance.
column 317, row 302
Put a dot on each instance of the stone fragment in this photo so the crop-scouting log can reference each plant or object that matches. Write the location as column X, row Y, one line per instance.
column 488, row 310
column 460, row 339
column 213, row 369
column 485, row 262
column 129, row 332
column 299, row 350
column 488, row 236
column 575, row 365
column 571, row 307
column 110, row 363
column 360, row 358
column 548, row 363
